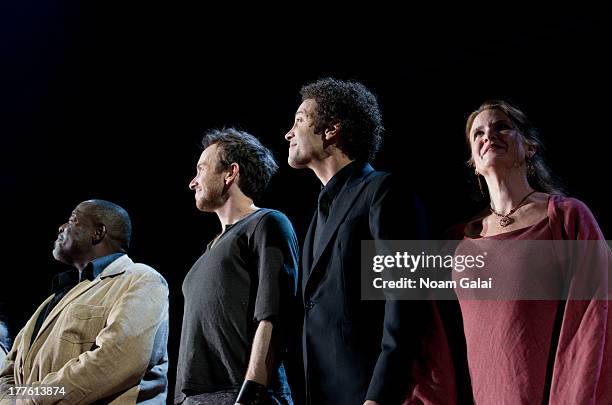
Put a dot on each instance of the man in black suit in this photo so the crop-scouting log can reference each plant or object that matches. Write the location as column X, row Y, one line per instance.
column 355, row 351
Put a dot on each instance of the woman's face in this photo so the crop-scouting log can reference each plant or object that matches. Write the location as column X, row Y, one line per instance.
column 495, row 142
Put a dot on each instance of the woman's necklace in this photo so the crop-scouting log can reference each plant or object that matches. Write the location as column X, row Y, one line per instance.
column 505, row 220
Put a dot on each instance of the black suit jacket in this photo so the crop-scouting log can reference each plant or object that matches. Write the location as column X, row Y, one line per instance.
column 355, row 350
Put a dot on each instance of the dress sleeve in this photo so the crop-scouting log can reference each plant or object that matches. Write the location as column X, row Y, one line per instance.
column 582, row 367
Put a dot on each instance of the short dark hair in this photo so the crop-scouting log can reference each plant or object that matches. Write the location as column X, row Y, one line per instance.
column 542, row 178
column 256, row 162
column 115, row 218
column 355, row 108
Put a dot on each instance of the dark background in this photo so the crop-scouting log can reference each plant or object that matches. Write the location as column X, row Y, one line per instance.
column 109, row 101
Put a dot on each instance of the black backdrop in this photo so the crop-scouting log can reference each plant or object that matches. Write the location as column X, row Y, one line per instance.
column 105, row 101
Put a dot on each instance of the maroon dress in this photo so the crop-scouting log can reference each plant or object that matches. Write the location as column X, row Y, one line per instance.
column 533, row 352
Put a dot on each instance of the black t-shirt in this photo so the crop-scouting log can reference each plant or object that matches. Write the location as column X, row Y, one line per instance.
column 248, row 275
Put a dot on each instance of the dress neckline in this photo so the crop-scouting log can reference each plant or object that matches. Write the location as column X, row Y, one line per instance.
column 506, row 235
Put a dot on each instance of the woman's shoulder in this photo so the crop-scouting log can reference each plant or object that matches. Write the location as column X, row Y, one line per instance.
column 578, row 220
column 570, row 207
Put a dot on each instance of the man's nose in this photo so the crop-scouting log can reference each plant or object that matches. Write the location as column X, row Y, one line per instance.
column 61, row 228
column 192, row 184
column 289, row 135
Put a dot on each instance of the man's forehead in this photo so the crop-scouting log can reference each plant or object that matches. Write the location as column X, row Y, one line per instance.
column 207, row 154
column 307, row 107
column 80, row 209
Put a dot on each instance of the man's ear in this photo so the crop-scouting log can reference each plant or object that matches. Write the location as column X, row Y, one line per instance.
column 99, row 234
column 331, row 133
column 232, row 174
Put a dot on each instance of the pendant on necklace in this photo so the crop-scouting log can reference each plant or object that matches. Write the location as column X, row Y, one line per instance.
column 505, row 221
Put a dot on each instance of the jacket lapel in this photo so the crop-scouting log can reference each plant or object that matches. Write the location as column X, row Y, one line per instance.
column 307, row 251
column 340, row 208
column 27, row 333
column 116, row 267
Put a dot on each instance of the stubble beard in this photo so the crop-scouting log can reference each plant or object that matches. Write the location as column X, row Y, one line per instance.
column 212, row 199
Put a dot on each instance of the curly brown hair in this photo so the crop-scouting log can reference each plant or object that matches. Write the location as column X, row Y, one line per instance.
column 356, row 109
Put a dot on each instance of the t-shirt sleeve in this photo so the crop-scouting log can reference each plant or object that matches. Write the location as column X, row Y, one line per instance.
column 276, row 249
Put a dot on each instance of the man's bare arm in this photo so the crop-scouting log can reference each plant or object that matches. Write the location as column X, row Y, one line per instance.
column 262, row 355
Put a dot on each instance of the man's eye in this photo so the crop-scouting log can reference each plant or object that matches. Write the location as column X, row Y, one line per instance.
column 478, row 133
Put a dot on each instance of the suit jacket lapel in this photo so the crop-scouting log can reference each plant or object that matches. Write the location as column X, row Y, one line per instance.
column 116, row 267
column 68, row 298
column 307, row 251
column 28, row 330
column 340, row 208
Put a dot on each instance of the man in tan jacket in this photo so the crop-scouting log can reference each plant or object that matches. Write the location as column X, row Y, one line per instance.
column 102, row 335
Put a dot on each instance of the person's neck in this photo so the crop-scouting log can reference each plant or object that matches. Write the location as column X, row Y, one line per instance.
column 100, row 251
column 234, row 209
column 507, row 189
column 326, row 168
column 81, row 264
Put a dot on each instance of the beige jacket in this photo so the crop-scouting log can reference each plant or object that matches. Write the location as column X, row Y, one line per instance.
column 106, row 339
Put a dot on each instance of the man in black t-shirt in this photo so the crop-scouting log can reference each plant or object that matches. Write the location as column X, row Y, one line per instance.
column 239, row 292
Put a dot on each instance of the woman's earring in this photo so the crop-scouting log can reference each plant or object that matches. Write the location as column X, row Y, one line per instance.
column 530, row 167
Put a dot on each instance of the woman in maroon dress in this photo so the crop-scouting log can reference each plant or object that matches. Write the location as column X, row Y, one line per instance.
column 532, row 352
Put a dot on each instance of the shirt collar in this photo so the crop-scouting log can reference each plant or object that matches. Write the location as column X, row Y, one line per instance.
column 335, row 184
column 93, row 269
column 99, row 264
